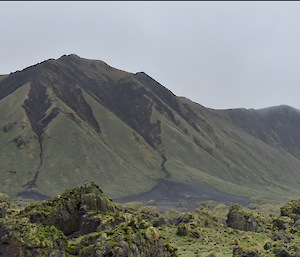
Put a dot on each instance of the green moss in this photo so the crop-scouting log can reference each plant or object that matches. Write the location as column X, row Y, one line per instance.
column 86, row 251
column 33, row 235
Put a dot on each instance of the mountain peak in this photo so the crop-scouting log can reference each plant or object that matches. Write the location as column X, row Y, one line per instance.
column 70, row 120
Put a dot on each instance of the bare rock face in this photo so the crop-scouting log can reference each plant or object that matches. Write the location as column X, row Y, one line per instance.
column 48, row 228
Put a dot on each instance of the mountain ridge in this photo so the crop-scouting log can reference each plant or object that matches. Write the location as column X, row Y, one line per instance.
column 68, row 120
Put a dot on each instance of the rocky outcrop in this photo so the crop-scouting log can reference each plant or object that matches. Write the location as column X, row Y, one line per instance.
column 19, row 237
column 237, row 218
column 67, row 211
column 7, row 127
column 291, row 209
column 5, row 202
column 239, row 252
column 147, row 243
column 80, row 222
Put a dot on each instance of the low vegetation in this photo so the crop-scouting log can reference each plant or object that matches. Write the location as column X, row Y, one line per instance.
column 100, row 227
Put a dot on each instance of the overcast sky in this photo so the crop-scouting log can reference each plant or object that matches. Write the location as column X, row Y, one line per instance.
column 219, row 54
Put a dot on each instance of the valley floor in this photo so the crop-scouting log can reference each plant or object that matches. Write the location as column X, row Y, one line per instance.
column 168, row 194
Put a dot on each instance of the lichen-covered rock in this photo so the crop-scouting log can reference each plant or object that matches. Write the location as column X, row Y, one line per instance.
column 146, row 243
column 181, row 230
column 152, row 202
column 82, row 222
column 291, row 209
column 210, row 205
column 158, row 222
column 66, row 211
column 282, row 252
column 239, row 252
column 19, row 237
column 172, row 216
column 189, row 223
column 134, row 206
column 5, row 202
column 148, row 213
column 283, row 223
column 237, row 218
column 200, row 218
column 133, row 237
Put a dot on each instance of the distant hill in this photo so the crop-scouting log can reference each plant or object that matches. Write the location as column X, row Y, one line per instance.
column 68, row 121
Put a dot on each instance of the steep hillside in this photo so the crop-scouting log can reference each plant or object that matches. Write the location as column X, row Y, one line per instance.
column 71, row 120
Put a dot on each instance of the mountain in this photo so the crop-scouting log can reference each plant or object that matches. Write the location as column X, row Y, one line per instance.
column 68, row 121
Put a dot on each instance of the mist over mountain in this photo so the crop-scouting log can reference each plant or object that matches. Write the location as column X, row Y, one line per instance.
column 68, row 121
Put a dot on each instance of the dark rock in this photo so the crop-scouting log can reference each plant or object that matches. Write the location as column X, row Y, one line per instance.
column 7, row 127
column 89, row 223
column 277, row 236
column 66, row 212
column 182, row 219
column 283, row 223
column 5, row 203
column 281, row 235
column 19, row 237
column 281, row 253
column 239, row 252
column 194, row 234
column 237, row 218
column 148, row 213
column 279, row 224
column 181, row 230
column 146, row 244
column 20, row 140
column 294, row 248
column 292, row 210
column 157, row 222
column 267, row 246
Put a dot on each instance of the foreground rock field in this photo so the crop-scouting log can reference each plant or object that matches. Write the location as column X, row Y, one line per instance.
column 84, row 222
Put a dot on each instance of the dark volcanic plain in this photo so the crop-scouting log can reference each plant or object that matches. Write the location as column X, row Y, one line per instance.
column 182, row 197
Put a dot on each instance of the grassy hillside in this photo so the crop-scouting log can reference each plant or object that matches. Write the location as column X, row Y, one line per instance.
column 64, row 122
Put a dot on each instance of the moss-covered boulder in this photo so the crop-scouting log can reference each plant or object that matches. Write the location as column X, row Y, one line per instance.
column 239, row 252
column 133, row 237
column 82, row 222
column 188, row 224
column 172, row 217
column 291, row 209
column 66, row 211
column 148, row 213
column 144, row 242
column 5, row 202
column 19, row 237
column 282, row 223
column 209, row 205
column 134, row 206
column 237, row 218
